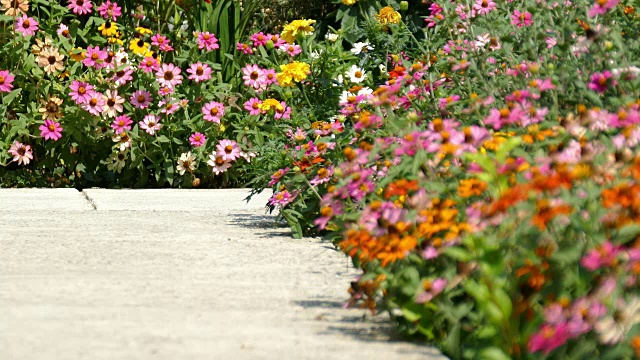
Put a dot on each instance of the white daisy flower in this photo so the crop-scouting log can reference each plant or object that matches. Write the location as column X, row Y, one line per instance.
column 187, row 162
column 361, row 47
column 355, row 74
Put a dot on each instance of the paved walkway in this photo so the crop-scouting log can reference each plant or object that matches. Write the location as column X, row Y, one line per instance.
column 167, row 274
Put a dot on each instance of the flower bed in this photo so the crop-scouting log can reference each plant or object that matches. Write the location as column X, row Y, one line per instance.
column 484, row 179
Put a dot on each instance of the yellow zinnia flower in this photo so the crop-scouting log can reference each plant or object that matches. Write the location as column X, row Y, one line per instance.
column 295, row 71
column 349, row 2
column 271, row 104
column 108, row 29
column 296, row 27
column 388, row 16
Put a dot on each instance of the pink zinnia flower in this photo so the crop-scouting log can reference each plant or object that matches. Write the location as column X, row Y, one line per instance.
column 228, row 149
column 207, row 41
column 51, row 130
column 259, row 39
column 520, row 19
column 218, row 164
column 605, row 255
column 213, row 111
column 80, row 92
column 275, row 177
column 121, row 124
column 246, row 49
column 551, row 42
column 123, row 76
column 165, row 91
column 95, row 104
column 269, row 76
column 63, row 30
column 291, row 49
column 80, row 7
column 600, row 82
column 27, row 26
column 110, row 9
column 168, row 107
column 150, row 64
column 285, row 113
column 282, row 198
column 253, row 106
column 253, row 76
column 549, row 337
column 6, row 80
column 95, row 57
column 602, row 6
column 199, row 72
column 483, row 7
column 22, row 153
column 431, row 289
column 141, row 99
column 161, row 42
column 197, row 139
column 444, row 102
column 275, row 38
column 169, row 75
column 150, row 124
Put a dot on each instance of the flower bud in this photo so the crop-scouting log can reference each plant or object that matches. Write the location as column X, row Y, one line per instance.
column 296, row 169
column 288, row 94
column 196, row 182
column 608, row 45
column 404, row 5
column 270, row 45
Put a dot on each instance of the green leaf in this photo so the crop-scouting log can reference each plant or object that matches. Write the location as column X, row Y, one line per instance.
column 492, row 353
column 163, row 139
column 628, row 233
column 457, row 253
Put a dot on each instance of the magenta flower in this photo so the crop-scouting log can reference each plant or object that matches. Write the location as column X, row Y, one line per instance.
column 213, row 111
column 27, row 26
column 253, row 76
column 150, row 124
column 80, row 92
column 207, row 41
column 141, row 99
column 169, row 75
column 122, row 77
column 228, row 149
column 604, row 255
column 110, row 9
column 276, row 40
column 6, row 80
column 269, row 76
column 199, row 72
column 600, row 82
column 51, row 130
column 245, row 48
column 601, row 7
column 282, row 198
column 520, row 19
column 168, row 107
column 431, row 289
column 444, row 102
column 150, row 64
column 276, row 176
column 22, row 153
column 291, row 49
column 80, row 7
column 285, row 113
column 253, row 106
column 549, row 337
column 323, row 176
column 483, row 7
column 96, row 103
column 95, row 57
column 197, row 139
column 259, row 39
column 121, row 124
column 161, row 42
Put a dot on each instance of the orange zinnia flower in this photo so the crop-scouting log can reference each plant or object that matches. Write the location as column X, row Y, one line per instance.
column 546, row 213
column 471, row 187
column 400, row 188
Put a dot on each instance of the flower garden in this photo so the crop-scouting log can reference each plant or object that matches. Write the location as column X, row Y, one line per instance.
column 478, row 160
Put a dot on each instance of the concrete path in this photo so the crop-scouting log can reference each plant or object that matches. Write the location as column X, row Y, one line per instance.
column 164, row 274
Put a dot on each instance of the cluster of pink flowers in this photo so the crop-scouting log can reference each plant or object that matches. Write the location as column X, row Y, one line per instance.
column 257, row 78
